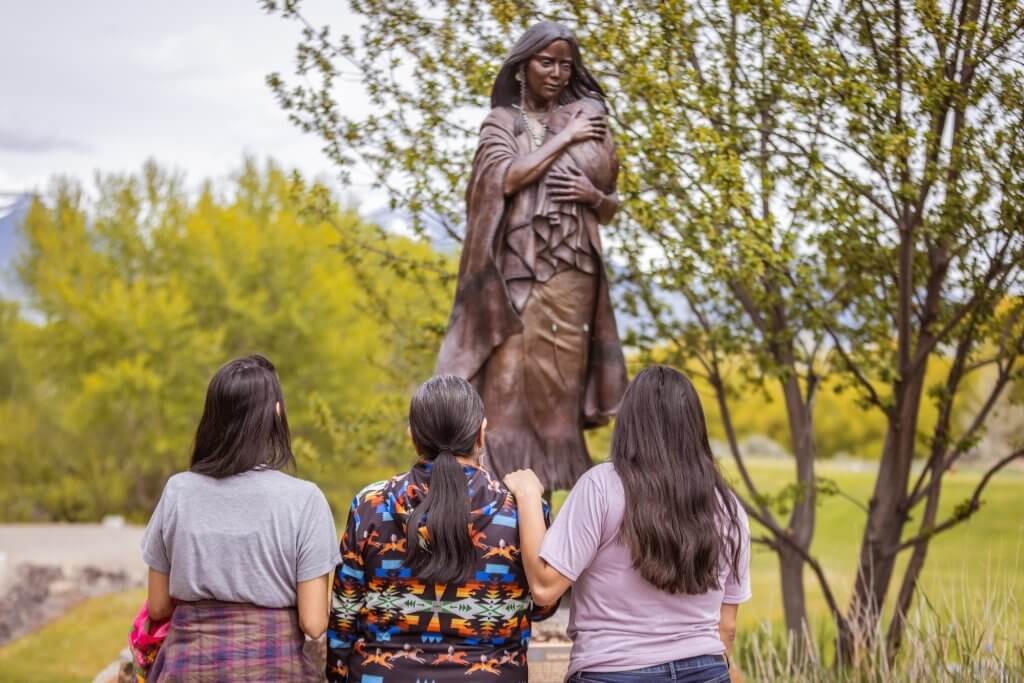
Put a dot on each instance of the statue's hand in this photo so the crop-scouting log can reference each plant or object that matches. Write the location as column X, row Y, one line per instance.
column 573, row 186
column 524, row 484
column 583, row 126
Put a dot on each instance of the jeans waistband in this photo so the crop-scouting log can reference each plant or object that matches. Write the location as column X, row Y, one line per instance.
column 698, row 662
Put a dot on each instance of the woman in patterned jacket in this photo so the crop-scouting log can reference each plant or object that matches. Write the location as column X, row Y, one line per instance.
column 431, row 586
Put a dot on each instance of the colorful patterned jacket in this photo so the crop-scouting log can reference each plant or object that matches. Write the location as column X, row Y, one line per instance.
column 386, row 626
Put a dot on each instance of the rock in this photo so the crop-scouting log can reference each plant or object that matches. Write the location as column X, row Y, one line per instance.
column 111, row 674
column 34, row 594
column 552, row 630
column 120, row 671
column 24, row 604
column 126, row 673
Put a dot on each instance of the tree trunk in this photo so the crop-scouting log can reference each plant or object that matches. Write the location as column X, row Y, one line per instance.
column 894, row 638
column 887, row 515
column 794, row 602
column 801, row 522
column 906, row 597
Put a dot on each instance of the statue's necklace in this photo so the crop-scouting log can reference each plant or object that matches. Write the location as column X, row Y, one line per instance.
column 535, row 135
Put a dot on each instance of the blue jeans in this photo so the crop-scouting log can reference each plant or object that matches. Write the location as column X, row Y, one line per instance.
column 701, row 669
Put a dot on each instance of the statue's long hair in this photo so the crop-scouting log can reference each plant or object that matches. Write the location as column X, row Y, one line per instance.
column 507, row 90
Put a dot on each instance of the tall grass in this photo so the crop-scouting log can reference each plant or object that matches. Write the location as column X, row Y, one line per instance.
column 954, row 638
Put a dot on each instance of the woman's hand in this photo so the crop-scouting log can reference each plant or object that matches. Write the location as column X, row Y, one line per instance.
column 583, row 127
column 573, row 187
column 524, row 484
column 546, row 584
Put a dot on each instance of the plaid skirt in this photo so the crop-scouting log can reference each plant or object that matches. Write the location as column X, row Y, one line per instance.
column 217, row 642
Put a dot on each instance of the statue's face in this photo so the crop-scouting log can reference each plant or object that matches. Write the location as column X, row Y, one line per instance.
column 548, row 71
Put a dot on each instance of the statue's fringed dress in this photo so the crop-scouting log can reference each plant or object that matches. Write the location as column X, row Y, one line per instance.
column 532, row 325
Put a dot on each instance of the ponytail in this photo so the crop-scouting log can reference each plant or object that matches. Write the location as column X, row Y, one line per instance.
column 444, row 419
column 448, row 554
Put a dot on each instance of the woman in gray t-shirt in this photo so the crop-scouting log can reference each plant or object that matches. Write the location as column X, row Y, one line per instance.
column 238, row 551
column 656, row 547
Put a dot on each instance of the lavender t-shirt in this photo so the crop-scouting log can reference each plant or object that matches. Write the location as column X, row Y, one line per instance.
column 619, row 621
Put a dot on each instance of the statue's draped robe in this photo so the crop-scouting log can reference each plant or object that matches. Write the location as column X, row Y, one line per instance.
column 532, row 326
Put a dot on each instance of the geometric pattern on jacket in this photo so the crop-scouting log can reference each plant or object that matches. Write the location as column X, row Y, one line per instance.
column 386, row 626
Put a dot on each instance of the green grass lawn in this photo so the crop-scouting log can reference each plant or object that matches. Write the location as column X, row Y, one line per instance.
column 982, row 560
column 74, row 647
column 979, row 562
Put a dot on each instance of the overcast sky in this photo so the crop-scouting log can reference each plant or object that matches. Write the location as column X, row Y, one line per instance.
column 105, row 84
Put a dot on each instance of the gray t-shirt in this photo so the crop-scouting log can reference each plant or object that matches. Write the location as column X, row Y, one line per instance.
column 247, row 538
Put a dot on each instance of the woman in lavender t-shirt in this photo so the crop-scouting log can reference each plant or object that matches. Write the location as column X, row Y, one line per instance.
column 656, row 547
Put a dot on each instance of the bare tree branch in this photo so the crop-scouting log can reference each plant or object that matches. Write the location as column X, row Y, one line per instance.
column 856, row 371
column 966, row 509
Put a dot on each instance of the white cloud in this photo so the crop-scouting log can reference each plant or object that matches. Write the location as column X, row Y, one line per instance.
column 105, row 85
column 26, row 142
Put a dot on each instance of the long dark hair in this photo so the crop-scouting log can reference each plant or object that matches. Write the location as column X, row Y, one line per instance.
column 681, row 521
column 244, row 424
column 506, row 90
column 445, row 416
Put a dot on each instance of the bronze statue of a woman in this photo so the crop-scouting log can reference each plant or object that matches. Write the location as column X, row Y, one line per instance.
column 532, row 325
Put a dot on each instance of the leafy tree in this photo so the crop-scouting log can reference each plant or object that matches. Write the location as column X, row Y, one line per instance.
column 141, row 293
column 815, row 196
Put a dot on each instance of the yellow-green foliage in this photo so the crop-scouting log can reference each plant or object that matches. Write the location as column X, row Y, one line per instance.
column 140, row 294
column 842, row 425
column 137, row 295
